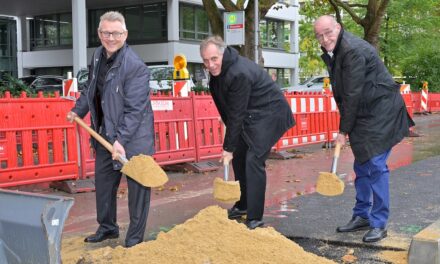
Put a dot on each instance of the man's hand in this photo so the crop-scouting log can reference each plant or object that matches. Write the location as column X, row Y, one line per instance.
column 226, row 157
column 341, row 138
column 118, row 150
column 70, row 116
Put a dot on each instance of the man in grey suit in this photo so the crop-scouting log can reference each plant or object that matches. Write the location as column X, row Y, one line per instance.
column 256, row 115
column 118, row 99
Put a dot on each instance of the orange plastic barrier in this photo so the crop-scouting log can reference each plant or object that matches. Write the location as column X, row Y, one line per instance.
column 36, row 142
column 310, row 113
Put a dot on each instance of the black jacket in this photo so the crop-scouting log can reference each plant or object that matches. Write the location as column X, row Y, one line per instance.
column 126, row 105
column 250, row 104
column 372, row 109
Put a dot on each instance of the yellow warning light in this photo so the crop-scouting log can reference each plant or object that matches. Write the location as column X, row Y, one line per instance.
column 180, row 70
column 326, row 83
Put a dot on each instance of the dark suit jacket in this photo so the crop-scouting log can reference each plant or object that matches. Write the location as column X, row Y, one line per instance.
column 250, row 103
column 372, row 110
column 128, row 115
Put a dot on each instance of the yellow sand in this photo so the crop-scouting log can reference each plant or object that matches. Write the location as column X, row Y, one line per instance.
column 226, row 191
column 209, row 237
column 145, row 170
column 329, row 184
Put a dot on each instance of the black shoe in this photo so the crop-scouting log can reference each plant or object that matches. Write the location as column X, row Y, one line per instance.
column 252, row 224
column 375, row 234
column 235, row 213
column 101, row 236
column 355, row 224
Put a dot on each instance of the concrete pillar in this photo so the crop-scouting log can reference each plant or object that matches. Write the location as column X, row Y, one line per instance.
column 21, row 43
column 173, row 28
column 79, row 35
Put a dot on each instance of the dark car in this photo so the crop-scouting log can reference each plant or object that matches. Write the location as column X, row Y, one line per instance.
column 47, row 83
column 27, row 80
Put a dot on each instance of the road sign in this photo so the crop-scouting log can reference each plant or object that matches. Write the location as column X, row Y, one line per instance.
column 234, row 28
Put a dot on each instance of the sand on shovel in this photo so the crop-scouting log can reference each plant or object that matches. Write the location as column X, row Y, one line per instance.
column 207, row 238
column 145, row 171
column 329, row 184
column 226, row 191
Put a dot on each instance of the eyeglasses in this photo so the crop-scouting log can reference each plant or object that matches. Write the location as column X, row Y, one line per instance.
column 326, row 34
column 116, row 35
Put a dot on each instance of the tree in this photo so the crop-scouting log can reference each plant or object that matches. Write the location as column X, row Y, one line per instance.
column 216, row 21
column 409, row 41
column 369, row 16
column 407, row 38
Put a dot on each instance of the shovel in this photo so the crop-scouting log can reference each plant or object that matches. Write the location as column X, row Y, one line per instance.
column 224, row 190
column 329, row 184
column 141, row 168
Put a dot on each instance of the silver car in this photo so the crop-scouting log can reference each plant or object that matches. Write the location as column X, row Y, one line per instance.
column 313, row 84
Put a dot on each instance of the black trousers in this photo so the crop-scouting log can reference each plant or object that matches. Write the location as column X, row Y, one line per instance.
column 250, row 171
column 107, row 181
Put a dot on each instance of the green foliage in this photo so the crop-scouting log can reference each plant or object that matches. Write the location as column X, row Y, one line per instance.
column 423, row 67
column 14, row 86
column 199, row 89
column 408, row 40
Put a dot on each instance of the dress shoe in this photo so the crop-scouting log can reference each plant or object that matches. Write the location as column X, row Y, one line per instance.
column 101, row 236
column 235, row 213
column 252, row 224
column 356, row 223
column 375, row 234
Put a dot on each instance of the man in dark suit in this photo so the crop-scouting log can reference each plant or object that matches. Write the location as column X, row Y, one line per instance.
column 256, row 115
column 118, row 99
column 373, row 116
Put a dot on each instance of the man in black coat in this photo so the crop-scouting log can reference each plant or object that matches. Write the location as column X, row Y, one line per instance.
column 372, row 114
column 256, row 115
column 117, row 96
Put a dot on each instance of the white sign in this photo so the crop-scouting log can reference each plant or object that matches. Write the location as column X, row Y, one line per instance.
column 234, row 28
column 162, row 105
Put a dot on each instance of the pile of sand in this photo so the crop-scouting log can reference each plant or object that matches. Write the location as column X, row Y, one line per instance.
column 209, row 237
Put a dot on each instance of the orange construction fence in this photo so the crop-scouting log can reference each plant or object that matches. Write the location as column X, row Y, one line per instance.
column 37, row 144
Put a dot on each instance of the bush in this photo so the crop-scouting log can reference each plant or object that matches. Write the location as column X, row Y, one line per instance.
column 424, row 67
column 14, row 86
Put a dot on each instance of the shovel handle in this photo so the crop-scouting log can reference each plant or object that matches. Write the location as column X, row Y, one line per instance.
column 336, row 157
column 225, row 172
column 99, row 138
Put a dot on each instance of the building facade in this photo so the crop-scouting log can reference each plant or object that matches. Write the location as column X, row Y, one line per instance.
column 58, row 42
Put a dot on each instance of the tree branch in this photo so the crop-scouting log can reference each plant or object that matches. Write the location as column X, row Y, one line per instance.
column 349, row 10
column 215, row 17
column 229, row 5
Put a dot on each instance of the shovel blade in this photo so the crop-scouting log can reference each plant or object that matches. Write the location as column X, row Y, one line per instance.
column 145, row 170
column 329, row 184
column 226, row 191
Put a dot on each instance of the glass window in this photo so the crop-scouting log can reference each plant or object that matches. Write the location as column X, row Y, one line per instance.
column 145, row 23
column 194, row 23
column 275, row 34
column 280, row 76
column 8, row 47
column 54, row 30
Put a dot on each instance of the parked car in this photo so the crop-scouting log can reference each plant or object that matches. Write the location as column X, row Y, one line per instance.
column 27, row 80
column 313, row 84
column 45, row 83
column 161, row 78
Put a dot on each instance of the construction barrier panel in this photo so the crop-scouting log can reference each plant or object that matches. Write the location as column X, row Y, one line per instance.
column 36, row 142
column 310, row 113
column 208, row 128
column 434, row 102
column 174, row 129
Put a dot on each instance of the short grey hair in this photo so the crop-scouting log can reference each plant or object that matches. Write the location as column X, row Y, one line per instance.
column 113, row 16
column 216, row 40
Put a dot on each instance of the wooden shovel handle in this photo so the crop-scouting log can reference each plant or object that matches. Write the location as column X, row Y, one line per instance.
column 98, row 137
column 337, row 150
